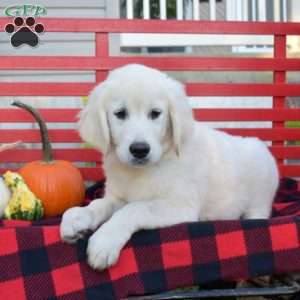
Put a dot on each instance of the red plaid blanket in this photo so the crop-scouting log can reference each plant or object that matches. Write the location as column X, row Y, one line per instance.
column 35, row 264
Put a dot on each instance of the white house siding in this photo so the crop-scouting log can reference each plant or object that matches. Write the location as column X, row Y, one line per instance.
column 78, row 44
column 56, row 43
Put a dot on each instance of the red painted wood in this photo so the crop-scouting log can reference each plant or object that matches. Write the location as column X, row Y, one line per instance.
column 45, row 89
column 289, row 170
column 59, row 115
column 207, row 63
column 50, row 63
column 159, row 26
column 162, row 63
column 75, row 155
column 96, row 173
column 88, row 173
column 279, row 77
column 91, row 155
column 267, row 134
column 92, row 173
column 102, row 53
column 102, row 63
column 250, row 114
column 102, row 45
column 193, row 89
column 250, row 89
column 33, row 135
column 209, row 114
column 292, row 152
column 72, row 136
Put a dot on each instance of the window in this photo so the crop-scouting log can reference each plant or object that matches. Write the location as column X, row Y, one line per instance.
column 257, row 10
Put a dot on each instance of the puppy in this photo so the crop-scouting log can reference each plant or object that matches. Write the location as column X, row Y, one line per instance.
column 162, row 167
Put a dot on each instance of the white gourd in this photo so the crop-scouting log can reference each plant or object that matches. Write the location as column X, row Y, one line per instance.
column 4, row 191
column 4, row 196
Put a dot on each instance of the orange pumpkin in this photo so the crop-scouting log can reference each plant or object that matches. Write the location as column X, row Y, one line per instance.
column 57, row 183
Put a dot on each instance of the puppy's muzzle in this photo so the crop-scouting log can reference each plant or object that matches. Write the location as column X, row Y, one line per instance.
column 139, row 150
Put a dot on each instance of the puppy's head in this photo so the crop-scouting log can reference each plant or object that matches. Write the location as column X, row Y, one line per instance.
column 138, row 112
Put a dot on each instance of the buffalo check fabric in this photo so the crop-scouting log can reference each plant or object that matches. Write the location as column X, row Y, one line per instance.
column 36, row 264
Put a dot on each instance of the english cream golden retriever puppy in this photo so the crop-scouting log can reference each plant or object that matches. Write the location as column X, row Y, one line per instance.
column 162, row 167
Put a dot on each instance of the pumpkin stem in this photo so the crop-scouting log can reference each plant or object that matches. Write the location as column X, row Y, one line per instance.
column 47, row 149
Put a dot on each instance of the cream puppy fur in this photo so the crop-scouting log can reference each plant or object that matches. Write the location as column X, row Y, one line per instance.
column 162, row 167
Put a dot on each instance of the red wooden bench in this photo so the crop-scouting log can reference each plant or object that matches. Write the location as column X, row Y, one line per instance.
column 102, row 63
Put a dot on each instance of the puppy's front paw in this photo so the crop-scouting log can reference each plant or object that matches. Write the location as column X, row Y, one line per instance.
column 75, row 223
column 103, row 249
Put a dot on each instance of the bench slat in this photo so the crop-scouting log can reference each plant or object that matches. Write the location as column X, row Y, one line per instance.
column 267, row 134
column 281, row 152
column 289, row 170
column 96, row 173
column 33, row 135
column 63, row 115
column 91, row 155
column 246, row 114
column 45, row 89
column 162, row 63
column 72, row 136
column 201, row 114
column 193, row 89
column 242, row 89
column 75, row 155
column 88, row 173
column 165, row 26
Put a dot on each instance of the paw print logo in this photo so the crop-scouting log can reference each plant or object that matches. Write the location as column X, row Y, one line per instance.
column 24, row 31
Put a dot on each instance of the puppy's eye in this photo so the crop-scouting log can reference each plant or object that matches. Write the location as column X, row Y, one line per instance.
column 121, row 114
column 154, row 114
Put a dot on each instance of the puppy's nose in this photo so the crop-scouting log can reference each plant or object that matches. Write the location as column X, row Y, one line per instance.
column 139, row 149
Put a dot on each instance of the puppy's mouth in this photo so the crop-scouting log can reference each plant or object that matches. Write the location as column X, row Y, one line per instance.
column 139, row 162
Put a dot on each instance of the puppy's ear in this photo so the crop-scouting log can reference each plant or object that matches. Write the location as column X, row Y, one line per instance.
column 180, row 114
column 93, row 121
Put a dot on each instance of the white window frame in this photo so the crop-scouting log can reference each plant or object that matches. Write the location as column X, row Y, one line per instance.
column 238, row 10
